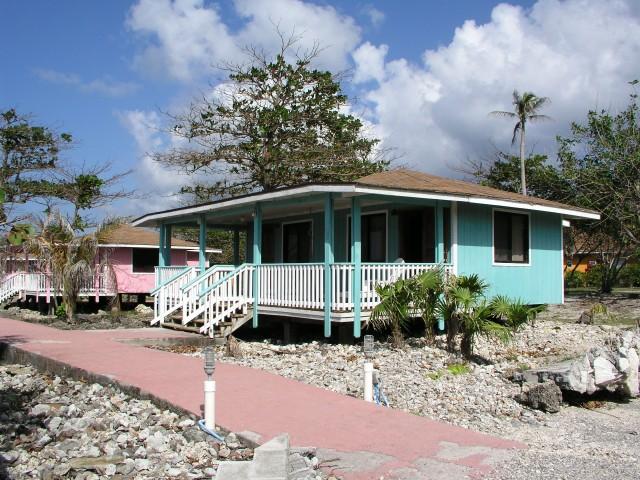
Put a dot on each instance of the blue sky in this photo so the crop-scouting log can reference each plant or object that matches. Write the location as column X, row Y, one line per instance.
column 424, row 79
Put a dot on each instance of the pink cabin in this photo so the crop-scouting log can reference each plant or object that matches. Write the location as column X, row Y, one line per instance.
column 133, row 253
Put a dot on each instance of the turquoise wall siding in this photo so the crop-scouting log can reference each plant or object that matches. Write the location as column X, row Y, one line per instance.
column 539, row 282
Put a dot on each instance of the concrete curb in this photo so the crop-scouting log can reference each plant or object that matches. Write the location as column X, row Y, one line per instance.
column 270, row 462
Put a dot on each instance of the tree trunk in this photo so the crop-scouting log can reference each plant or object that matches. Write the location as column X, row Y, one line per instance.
column 396, row 334
column 523, row 180
column 453, row 327
column 466, row 345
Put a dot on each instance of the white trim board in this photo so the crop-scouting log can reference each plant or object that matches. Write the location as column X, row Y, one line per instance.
column 350, row 190
column 173, row 247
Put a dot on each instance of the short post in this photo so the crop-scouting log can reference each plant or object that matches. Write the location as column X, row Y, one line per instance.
column 368, row 368
column 209, row 389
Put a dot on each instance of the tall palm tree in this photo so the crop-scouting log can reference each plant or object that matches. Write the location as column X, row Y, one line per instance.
column 526, row 108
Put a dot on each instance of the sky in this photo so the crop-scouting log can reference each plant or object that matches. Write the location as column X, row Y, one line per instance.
column 422, row 75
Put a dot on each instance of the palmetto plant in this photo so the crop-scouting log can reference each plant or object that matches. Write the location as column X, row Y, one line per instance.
column 394, row 309
column 71, row 260
column 426, row 290
column 526, row 108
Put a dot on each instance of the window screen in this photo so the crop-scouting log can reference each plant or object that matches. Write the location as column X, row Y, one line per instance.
column 144, row 260
column 510, row 237
column 373, row 237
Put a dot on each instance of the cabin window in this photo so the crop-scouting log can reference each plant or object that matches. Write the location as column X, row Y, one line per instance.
column 510, row 237
column 144, row 260
column 268, row 247
column 373, row 237
column 417, row 235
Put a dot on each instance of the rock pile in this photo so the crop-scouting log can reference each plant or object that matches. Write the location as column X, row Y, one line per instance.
column 54, row 428
column 612, row 367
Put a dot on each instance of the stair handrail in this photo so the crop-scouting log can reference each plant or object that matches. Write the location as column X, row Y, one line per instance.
column 225, row 305
column 206, row 274
column 163, row 304
column 223, row 279
column 190, row 314
column 190, row 291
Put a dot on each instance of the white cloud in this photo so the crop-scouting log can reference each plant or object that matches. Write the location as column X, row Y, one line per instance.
column 103, row 86
column 158, row 183
column 369, row 61
column 186, row 38
column 376, row 17
column 578, row 52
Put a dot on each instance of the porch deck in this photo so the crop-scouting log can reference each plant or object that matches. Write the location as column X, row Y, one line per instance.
column 288, row 290
column 42, row 285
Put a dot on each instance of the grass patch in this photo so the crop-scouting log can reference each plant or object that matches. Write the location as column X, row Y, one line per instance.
column 435, row 375
column 458, row 368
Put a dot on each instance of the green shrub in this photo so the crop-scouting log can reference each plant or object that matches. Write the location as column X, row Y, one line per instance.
column 574, row 279
column 61, row 312
column 593, row 276
column 630, row 275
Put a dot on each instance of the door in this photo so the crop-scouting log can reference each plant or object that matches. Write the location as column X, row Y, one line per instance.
column 297, row 242
column 416, row 235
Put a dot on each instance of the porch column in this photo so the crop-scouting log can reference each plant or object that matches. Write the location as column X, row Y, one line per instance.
column 236, row 246
column 356, row 256
column 162, row 236
column 202, row 243
column 167, row 245
column 439, row 233
column 328, row 261
column 257, row 259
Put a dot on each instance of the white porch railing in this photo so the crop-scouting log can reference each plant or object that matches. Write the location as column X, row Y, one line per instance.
column 299, row 285
column 41, row 284
column 373, row 274
column 162, row 274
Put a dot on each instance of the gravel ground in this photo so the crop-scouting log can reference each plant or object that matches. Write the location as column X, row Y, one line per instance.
column 53, row 428
column 422, row 378
column 83, row 321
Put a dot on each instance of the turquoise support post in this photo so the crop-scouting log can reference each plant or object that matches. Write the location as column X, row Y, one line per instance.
column 439, row 233
column 328, row 261
column 257, row 258
column 162, row 236
column 356, row 249
column 236, row 246
column 167, row 245
column 202, row 243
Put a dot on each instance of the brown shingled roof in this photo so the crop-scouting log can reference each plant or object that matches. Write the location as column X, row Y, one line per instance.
column 423, row 182
column 128, row 235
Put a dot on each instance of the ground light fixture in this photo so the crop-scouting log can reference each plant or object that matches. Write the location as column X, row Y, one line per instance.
column 209, row 389
column 367, row 348
column 209, row 355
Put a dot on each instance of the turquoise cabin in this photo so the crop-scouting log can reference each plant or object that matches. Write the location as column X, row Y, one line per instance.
column 316, row 252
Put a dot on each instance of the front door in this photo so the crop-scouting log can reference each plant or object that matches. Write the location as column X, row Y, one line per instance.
column 416, row 235
column 296, row 242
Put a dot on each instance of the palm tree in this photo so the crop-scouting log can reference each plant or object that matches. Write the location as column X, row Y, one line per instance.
column 71, row 260
column 526, row 108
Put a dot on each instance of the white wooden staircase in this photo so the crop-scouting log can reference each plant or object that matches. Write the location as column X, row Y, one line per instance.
column 216, row 302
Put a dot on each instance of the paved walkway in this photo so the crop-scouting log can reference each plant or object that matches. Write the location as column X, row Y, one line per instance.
column 362, row 440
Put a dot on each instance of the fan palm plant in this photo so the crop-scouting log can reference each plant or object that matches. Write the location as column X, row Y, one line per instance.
column 394, row 309
column 526, row 108
column 426, row 291
column 72, row 261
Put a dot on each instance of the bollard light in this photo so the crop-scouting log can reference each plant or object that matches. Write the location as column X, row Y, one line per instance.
column 367, row 346
column 209, row 361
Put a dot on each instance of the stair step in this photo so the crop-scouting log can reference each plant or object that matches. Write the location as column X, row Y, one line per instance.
column 180, row 327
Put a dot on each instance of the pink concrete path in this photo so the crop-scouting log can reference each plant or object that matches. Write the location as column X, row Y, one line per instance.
column 362, row 440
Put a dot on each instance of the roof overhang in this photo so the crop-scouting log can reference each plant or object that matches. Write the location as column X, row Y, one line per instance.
column 346, row 190
column 173, row 247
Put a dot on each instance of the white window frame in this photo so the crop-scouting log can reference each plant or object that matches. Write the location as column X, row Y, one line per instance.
column 131, row 263
column 386, row 234
column 493, row 244
column 306, row 220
